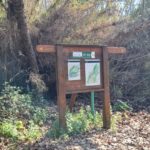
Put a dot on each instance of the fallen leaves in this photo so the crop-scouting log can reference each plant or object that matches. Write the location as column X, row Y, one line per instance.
column 133, row 133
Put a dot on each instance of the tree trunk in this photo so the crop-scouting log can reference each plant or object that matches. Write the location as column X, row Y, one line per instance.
column 16, row 10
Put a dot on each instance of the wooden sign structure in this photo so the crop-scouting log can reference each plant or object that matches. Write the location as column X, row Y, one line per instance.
column 80, row 69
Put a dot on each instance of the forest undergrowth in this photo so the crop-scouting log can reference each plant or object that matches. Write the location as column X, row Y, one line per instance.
column 28, row 123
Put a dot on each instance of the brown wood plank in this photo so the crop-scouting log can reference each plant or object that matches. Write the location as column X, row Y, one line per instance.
column 51, row 48
column 46, row 48
column 72, row 101
column 82, row 87
column 106, row 101
column 61, row 96
column 116, row 50
column 81, row 49
column 85, row 90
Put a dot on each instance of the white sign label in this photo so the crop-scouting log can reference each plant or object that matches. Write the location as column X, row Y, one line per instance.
column 93, row 55
column 86, row 54
column 77, row 54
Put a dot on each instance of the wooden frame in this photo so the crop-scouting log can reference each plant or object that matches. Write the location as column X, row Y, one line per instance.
column 64, row 86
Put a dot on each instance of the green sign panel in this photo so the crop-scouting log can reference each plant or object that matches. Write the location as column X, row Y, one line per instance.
column 83, row 54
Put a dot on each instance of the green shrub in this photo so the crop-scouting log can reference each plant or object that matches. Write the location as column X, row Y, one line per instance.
column 82, row 121
column 40, row 115
column 121, row 106
column 19, row 114
column 114, row 121
column 14, row 104
column 55, row 131
column 33, row 132
column 17, row 131
column 76, row 123
column 8, row 129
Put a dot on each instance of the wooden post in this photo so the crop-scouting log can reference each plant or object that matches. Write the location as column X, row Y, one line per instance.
column 106, row 101
column 61, row 96
column 72, row 101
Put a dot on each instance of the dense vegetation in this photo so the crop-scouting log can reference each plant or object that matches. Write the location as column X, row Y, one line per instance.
column 116, row 23
column 22, row 114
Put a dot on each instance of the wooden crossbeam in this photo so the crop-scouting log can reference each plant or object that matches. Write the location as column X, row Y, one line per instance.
column 46, row 48
column 116, row 50
column 51, row 49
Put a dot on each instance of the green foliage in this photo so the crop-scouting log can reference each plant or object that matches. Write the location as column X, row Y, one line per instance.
column 82, row 121
column 2, row 10
column 33, row 131
column 17, row 131
column 121, row 106
column 55, row 131
column 114, row 120
column 16, row 104
column 7, row 129
column 40, row 115
column 20, row 114
column 13, row 103
column 76, row 123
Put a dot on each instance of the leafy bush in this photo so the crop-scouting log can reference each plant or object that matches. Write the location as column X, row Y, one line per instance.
column 17, row 130
column 19, row 114
column 40, row 115
column 14, row 104
column 114, row 120
column 55, row 131
column 121, row 106
column 82, row 121
column 33, row 131
column 76, row 123
column 8, row 129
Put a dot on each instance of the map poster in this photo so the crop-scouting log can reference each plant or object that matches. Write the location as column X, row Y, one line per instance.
column 92, row 72
column 73, row 70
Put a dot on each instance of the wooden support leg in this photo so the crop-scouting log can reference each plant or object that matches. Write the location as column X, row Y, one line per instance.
column 72, row 101
column 61, row 96
column 106, row 101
